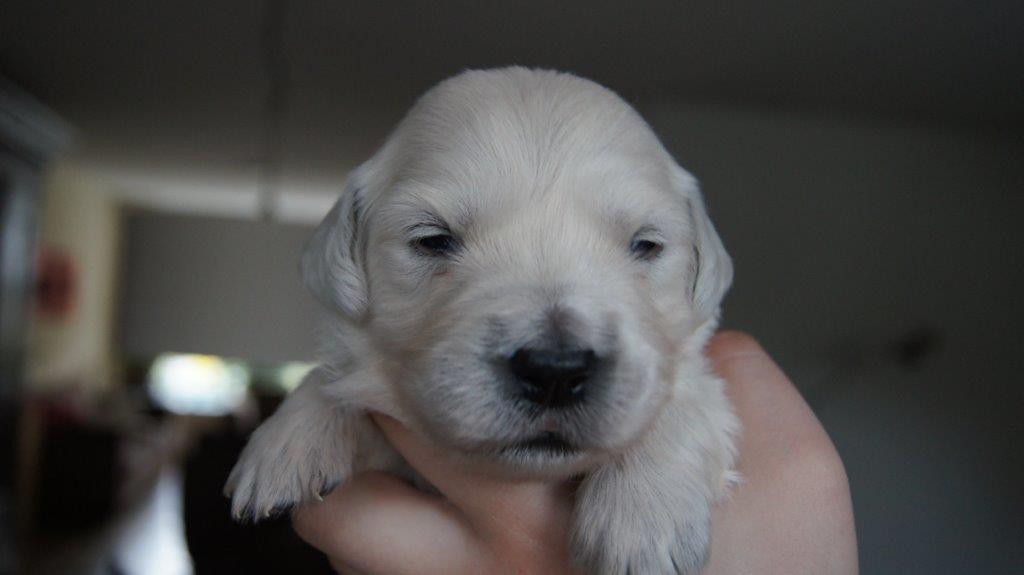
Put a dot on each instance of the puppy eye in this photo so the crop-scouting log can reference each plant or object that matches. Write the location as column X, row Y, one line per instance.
column 646, row 250
column 437, row 245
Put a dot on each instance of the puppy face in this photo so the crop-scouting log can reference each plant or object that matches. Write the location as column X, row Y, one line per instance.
column 526, row 262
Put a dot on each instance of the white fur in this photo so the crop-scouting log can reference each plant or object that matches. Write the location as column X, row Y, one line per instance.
column 546, row 179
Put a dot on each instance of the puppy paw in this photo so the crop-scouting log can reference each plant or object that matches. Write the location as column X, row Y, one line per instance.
column 623, row 527
column 276, row 472
column 298, row 455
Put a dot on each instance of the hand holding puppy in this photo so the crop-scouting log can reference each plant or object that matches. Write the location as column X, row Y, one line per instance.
column 378, row 523
column 791, row 515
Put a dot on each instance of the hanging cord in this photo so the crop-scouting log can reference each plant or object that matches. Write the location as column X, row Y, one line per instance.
column 275, row 65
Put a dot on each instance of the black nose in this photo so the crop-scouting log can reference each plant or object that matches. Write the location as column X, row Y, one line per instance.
column 553, row 377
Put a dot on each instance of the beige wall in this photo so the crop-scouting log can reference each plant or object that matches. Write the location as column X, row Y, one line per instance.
column 79, row 217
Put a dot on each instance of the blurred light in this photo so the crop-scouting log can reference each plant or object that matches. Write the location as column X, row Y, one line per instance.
column 197, row 384
column 291, row 374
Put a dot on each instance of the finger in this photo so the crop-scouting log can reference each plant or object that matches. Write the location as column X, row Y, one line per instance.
column 773, row 412
column 793, row 478
column 530, row 510
column 377, row 523
column 729, row 345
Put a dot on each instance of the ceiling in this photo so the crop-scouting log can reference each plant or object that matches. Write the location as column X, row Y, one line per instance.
column 177, row 91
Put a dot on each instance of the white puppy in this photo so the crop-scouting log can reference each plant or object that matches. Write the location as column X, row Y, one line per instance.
column 524, row 275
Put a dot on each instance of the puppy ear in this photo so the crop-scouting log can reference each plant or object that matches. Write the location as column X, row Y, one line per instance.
column 331, row 263
column 712, row 267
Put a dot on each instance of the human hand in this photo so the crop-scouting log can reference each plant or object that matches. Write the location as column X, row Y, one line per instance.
column 792, row 514
column 379, row 524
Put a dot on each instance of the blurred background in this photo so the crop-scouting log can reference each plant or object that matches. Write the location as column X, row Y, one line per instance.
column 162, row 163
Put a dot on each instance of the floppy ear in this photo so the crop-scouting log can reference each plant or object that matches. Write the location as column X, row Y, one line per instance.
column 712, row 266
column 331, row 264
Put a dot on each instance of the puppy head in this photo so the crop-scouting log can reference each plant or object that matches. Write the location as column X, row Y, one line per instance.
column 529, row 264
